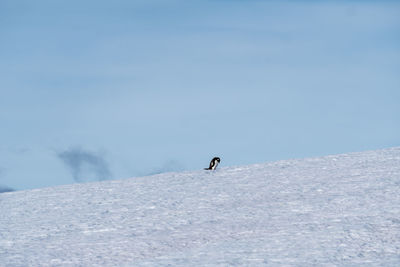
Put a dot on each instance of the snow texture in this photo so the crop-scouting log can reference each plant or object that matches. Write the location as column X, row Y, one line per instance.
column 328, row 211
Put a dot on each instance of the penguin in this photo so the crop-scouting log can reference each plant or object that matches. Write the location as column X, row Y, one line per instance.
column 213, row 164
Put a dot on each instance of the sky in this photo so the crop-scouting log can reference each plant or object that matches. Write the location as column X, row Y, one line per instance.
column 99, row 90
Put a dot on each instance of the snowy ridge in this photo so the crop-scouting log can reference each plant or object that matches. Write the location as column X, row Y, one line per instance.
column 333, row 210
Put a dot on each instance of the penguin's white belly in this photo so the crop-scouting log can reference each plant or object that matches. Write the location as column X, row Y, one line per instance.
column 214, row 165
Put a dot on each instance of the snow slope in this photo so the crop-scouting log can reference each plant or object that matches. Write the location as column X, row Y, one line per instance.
column 334, row 210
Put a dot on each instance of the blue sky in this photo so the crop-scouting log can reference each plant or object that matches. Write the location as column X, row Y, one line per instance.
column 98, row 90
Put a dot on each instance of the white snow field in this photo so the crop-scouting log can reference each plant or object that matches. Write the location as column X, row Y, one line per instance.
column 335, row 210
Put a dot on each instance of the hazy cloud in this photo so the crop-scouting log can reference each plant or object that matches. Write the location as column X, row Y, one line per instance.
column 85, row 165
column 169, row 166
column 4, row 189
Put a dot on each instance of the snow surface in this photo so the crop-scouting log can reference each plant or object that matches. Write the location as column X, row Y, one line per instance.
column 334, row 210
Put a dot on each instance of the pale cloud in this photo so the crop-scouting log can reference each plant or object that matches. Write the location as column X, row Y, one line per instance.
column 85, row 165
